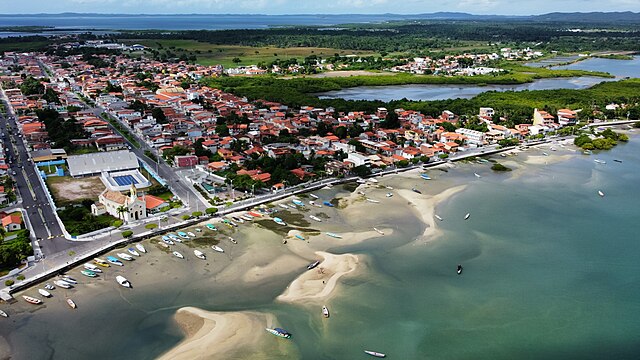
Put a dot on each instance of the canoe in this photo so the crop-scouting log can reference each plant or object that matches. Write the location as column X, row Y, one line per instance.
column 32, row 300
column 375, row 353
column 299, row 237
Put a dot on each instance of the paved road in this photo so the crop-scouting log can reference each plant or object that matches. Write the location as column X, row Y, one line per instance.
column 34, row 200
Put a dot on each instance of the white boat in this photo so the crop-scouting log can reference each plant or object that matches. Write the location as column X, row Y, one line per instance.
column 373, row 180
column 297, row 202
column 373, row 200
column 313, row 217
column 334, row 235
column 178, row 255
column 361, row 181
column 123, row 281
column 503, row 154
column 313, row 203
column 438, row 217
column 71, row 304
column 389, row 187
column 199, row 254
column 325, row 311
column 63, row 284
column 44, row 293
column 279, row 221
column 600, row 193
column 191, row 234
column 3, row 314
column 467, row 216
column 124, row 256
column 92, row 267
column 141, row 248
column 389, row 194
column 375, row 353
column 328, row 186
column 545, row 154
column 32, row 300
column 69, row 279
column 232, row 240
column 133, row 251
column 477, row 175
column 246, row 217
column 600, row 161
column 314, row 196
column 379, row 231
column 552, row 148
column 217, row 248
column 284, row 206
column 48, row 286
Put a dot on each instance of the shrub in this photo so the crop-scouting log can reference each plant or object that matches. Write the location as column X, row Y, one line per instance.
column 499, row 167
column 151, row 226
column 186, row 217
column 196, row 214
column 9, row 282
column 211, row 210
column 127, row 234
column 20, row 277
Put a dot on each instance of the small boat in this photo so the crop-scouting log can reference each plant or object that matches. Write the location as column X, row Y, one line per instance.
column 600, row 193
column 199, row 254
column 237, row 219
column 3, row 314
column 123, row 281
column 313, row 203
column 32, row 300
column 279, row 332
column 254, row 214
column 167, row 240
column 197, row 230
column 375, row 353
column 373, row 200
column 279, row 221
column 325, row 311
column 438, row 217
column 466, row 217
column 361, row 181
column 211, row 227
column 313, row 265
column 232, row 240
column 389, row 187
column 600, row 161
column 416, row 190
column 314, row 196
column 63, row 284
column 125, row 256
column 313, row 217
column 477, row 175
column 284, row 206
column 44, row 293
column 114, row 261
column 297, row 202
column 379, row 231
column 92, row 267
column 587, row 152
column 425, row 177
column 183, row 234
column 505, row 155
column 217, row 248
column 71, row 304
column 459, row 269
column 101, row 262
column 231, row 223
column 141, row 248
column 163, row 244
column 178, row 255
column 69, row 279
column 48, row 286
column 552, row 148
column 333, row 235
column 133, row 251
column 246, row 217
column 88, row 273
column 618, row 161
column 299, row 237
column 328, row 186
column 191, row 234
column 389, row 194
column 326, row 203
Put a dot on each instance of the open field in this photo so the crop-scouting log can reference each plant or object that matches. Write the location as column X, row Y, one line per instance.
column 67, row 189
column 23, row 46
column 211, row 54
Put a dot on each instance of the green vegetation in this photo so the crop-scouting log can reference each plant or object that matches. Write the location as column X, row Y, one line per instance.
column 127, row 233
column 78, row 220
column 124, row 132
column 499, row 167
column 211, row 210
column 20, row 277
column 151, row 226
column 615, row 57
column 9, row 282
column 13, row 252
column 61, row 131
column 607, row 140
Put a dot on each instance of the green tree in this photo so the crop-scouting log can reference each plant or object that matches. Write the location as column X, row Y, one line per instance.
column 159, row 115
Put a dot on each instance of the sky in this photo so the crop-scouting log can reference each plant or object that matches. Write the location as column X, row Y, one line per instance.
column 502, row 7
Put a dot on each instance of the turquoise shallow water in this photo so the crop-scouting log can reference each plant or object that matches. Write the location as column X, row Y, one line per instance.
column 550, row 271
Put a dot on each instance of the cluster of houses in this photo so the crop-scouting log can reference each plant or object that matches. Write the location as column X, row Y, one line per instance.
column 191, row 114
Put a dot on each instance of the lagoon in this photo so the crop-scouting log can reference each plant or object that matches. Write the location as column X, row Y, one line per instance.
column 618, row 68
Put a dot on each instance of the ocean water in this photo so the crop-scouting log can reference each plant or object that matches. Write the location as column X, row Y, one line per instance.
column 550, row 271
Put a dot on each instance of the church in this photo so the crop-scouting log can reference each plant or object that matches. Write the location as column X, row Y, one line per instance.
column 127, row 208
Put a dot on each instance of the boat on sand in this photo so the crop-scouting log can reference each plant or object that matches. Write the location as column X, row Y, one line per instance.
column 123, row 281
column 375, row 353
column 325, row 311
column 217, row 248
column 279, row 332
column 199, row 254
column 141, row 248
column 71, row 304
column 379, row 231
column 32, row 300
column 44, row 293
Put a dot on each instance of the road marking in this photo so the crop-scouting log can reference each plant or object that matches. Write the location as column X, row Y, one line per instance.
column 44, row 222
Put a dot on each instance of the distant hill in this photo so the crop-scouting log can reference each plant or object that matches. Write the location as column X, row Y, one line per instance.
column 590, row 17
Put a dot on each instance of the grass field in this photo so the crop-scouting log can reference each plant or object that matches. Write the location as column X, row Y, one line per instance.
column 23, row 46
column 211, row 54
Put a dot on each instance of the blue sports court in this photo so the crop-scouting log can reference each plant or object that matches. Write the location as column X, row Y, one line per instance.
column 125, row 180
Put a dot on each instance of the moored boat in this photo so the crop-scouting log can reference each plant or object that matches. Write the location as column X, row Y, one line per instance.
column 297, row 202
column 211, row 227
column 63, row 284
column 88, row 273
column 279, row 221
column 133, row 251
column 313, row 265
column 92, row 267
column 254, row 214
column 101, row 262
column 199, row 254
column 48, row 286
column 44, row 293
column 373, row 200
column 334, row 235
column 618, row 161
column 600, row 161
column 183, row 234
column 167, row 240
column 313, row 217
column 389, row 194
column 459, row 269
column 246, row 217
column 123, row 281
column 114, row 261
column 279, row 332
column 32, row 300
column 217, row 248
column 372, row 180
column 237, row 219
column 477, row 175
column 600, row 193
column 314, row 196
column 326, row 203
column 284, row 206
column 325, row 311
column 375, row 353
column 299, row 237
column 69, row 279
column 3, row 314
column 178, row 255
column 438, row 217
column 191, row 234
column 141, row 248
column 466, row 217
column 416, row 190
column 71, row 304
column 379, row 231
column 125, row 256
column 232, row 240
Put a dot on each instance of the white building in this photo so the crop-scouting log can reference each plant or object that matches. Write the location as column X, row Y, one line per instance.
column 127, row 208
column 473, row 136
column 358, row 160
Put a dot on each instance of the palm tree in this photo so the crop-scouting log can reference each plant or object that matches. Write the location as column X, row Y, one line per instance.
column 121, row 210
